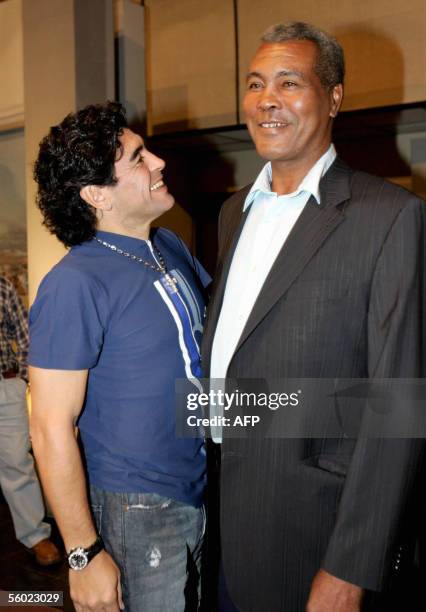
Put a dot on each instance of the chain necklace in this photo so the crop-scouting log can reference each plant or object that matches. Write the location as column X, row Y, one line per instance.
column 161, row 268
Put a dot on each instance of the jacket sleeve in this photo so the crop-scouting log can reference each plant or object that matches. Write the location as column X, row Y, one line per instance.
column 381, row 481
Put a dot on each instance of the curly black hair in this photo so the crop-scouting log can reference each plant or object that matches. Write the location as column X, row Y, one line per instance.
column 80, row 151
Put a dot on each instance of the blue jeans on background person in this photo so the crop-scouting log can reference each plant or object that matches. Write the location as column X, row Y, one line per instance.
column 156, row 542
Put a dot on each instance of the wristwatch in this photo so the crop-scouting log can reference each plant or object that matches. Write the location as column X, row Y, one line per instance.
column 79, row 557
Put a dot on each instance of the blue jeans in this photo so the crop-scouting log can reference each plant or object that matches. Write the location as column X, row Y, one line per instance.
column 156, row 542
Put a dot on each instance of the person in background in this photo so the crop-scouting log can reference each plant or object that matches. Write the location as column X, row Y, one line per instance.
column 18, row 479
column 114, row 324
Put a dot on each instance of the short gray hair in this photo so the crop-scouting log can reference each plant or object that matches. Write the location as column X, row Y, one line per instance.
column 330, row 66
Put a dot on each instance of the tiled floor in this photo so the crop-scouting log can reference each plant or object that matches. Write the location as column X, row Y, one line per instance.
column 18, row 570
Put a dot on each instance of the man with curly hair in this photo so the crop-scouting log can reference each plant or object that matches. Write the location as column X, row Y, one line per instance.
column 115, row 322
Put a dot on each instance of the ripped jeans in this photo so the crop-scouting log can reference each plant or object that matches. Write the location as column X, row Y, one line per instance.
column 156, row 542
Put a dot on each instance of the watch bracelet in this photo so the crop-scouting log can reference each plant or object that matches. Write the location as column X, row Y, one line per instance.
column 89, row 553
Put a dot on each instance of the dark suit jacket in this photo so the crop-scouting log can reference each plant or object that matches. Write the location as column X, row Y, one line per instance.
column 343, row 299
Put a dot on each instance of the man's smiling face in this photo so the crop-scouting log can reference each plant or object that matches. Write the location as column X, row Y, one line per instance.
column 140, row 195
column 288, row 111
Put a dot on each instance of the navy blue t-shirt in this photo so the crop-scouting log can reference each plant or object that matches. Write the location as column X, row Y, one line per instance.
column 99, row 310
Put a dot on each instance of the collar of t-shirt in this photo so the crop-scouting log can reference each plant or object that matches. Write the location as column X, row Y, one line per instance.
column 309, row 185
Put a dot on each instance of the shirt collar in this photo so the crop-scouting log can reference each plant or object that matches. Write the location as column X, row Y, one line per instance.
column 127, row 243
column 310, row 183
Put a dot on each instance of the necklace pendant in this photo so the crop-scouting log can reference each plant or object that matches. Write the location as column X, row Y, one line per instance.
column 171, row 282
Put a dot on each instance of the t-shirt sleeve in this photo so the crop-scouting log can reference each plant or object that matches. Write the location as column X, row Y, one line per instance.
column 67, row 321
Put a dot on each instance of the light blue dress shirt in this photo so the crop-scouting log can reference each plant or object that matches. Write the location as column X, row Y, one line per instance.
column 267, row 227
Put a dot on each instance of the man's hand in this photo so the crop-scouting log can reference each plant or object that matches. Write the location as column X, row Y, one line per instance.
column 97, row 587
column 330, row 593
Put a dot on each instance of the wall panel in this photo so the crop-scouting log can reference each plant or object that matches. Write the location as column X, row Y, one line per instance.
column 384, row 43
column 191, row 69
column 11, row 65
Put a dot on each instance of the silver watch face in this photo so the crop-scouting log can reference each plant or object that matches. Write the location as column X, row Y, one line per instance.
column 77, row 559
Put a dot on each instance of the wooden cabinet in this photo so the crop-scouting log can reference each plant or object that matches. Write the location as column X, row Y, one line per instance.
column 191, row 53
column 11, row 66
column 384, row 43
column 191, row 66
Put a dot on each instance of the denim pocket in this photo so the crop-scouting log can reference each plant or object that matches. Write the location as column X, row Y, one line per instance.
column 147, row 501
column 97, row 517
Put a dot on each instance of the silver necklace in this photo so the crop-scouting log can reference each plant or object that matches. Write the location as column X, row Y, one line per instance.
column 161, row 268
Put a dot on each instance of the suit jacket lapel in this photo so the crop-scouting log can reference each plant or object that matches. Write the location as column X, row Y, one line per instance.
column 313, row 227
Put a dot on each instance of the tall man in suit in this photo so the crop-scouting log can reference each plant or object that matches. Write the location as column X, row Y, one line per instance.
column 319, row 276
